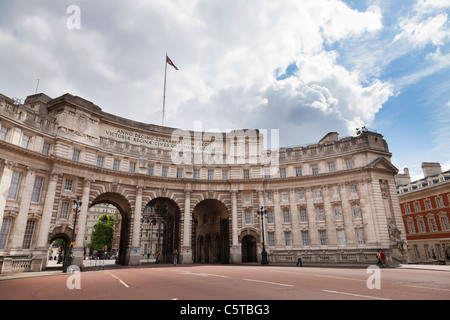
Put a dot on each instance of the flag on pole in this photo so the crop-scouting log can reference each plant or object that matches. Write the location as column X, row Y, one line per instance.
column 170, row 62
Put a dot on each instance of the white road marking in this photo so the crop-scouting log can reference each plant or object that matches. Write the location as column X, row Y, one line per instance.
column 268, row 282
column 354, row 294
column 117, row 278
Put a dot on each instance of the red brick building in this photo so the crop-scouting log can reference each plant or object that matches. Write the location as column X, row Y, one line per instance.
column 425, row 206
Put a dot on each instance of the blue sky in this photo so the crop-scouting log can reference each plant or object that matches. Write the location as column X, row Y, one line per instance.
column 305, row 67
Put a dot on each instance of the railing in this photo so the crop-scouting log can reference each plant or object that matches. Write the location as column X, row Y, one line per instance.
column 9, row 265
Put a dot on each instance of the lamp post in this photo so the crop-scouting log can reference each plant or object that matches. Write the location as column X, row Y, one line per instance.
column 76, row 208
column 261, row 213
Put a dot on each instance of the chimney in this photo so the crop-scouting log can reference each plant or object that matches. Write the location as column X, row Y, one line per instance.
column 403, row 178
column 431, row 169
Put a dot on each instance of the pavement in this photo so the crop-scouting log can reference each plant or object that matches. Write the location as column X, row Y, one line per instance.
column 54, row 269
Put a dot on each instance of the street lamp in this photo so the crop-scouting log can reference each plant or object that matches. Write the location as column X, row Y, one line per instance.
column 76, row 208
column 262, row 213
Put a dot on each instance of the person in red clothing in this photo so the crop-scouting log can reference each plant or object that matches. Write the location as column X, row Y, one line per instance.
column 383, row 258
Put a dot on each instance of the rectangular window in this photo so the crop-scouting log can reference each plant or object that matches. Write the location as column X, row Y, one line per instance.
column 417, row 206
column 246, row 174
column 353, row 189
column 269, row 216
column 271, row 239
column 287, row 238
column 25, row 141
column 100, row 160
column 65, row 211
column 444, row 223
column 323, row 237
column 132, row 168
column 283, row 173
column 196, row 174
column 210, row 174
column 315, row 169
column 4, row 232
column 331, row 166
column 76, row 155
column 224, row 174
column 165, row 172
column 3, row 133
column 341, row 237
column 68, row 185
column 305, row 238
column 247, row 197
column 301, row 195
column 46, row 148
column 116, row 165
column 269, row 196
column 357, row 211
column 349, row 163
column 150, row 170
column 338, row 213
column 298, row 171
column 411, row 227
column 29, row 230
column 248, row 217
column 14, row 187
column 286, row 216
column 320, row 214
column 421, row 226
column 360, row 237
column 37, row 189
column 303, row 215
column 179, row 173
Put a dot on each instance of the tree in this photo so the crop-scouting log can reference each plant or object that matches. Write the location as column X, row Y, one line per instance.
column 103, row 233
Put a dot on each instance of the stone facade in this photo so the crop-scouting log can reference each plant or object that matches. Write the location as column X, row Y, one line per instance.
column 334, row 200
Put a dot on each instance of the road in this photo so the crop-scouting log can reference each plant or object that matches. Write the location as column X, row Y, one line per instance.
column 232, row 282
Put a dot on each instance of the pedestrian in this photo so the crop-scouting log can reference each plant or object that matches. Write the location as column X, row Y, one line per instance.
column 383, row 258
column 379, row 259
column 175, row 257
column 299, row 259
column 157, row 257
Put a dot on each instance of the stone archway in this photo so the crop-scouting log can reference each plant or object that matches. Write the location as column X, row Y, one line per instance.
column 249, row 239
column 160, row 228
column 211, row 232
column 62, row 232
column 122, row 204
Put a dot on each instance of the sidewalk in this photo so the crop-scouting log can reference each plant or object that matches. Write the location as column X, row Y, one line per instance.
column 425, row 267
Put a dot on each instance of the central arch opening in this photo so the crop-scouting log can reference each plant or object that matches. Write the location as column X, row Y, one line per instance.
column 211, row 232
column 160, row 230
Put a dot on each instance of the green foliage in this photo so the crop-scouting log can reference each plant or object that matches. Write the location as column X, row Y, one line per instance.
column 103, row 233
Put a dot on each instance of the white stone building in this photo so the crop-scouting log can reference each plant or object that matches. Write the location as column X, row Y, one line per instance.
column 333, row 200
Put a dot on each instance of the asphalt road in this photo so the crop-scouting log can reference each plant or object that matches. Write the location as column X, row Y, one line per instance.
column 232, row 282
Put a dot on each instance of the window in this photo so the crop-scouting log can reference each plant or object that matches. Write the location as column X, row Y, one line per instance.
column 331, row 166
column 318, row 193
column 439, row 202
column 269, row 216
column 25, row 141
column 132, row 168
column 357, row 211
column 432, row 224
column 100, row 160
column 287, row 238
column 320, row 214
column 444, row 223
column 210, row 174
column 116, row 165
column 196, row 174
column 179, row 173
column 271, row 239
column 421, row 224
column 315, row 169
column 323, row 237
column 305, row 238
column 46, row 148
column 224, row 174
column 411, row 227
column 407, row 208
column 247, row 197
column 65, row 210
column 338, row 213
column 303, row 215
column 428, row 204
column 266, row 173
column 353, row 189
column 29, row 230
column 76, row 155
column 349, row 164
column 286, row 216
column 150, row 170
column 282, row 172
column 360, row 236
column 165, row 172
column 3, row 133
column 335, row 191
column 298, row 171
column 341, row 237
column 248, row 217
column 269, row 196
column 246, row 174
column 417, row 206
column 301, row 195
column 4, row 232
column 37, row 189
column 14, row 187
column 68, row 185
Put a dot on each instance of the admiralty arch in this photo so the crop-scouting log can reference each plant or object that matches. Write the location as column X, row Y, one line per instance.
column 334, row 200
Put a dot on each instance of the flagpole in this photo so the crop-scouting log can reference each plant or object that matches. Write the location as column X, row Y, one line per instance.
column 164, row 96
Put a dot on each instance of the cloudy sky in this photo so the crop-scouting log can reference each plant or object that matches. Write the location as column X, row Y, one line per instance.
column 305, row 67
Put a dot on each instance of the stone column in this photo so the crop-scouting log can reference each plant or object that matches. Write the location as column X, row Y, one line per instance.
column 5, row 183
column 186, row 248
column 21, row 220
column 44, row 227
column 235, row 252
column 295, row 218
column 135, row 255
column 78, row 249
